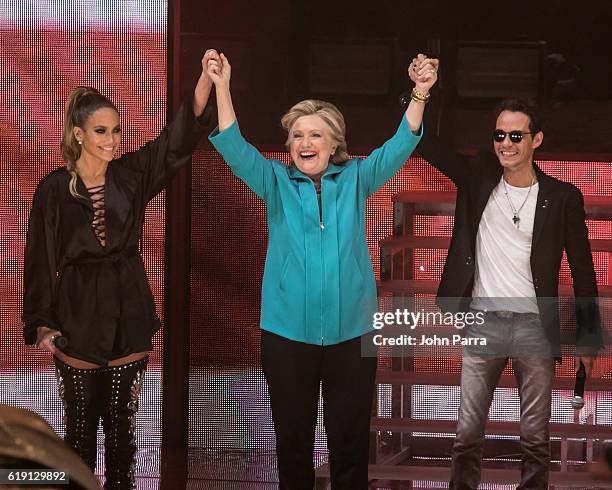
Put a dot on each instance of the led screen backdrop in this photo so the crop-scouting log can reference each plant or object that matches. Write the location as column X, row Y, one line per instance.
column 120, row 47
column 228, row 398
column 48, row 47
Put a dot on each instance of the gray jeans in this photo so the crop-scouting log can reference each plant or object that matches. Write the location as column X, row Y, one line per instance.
column 521, row 338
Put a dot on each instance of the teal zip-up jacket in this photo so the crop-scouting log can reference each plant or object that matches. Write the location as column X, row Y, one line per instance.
column 318, row 283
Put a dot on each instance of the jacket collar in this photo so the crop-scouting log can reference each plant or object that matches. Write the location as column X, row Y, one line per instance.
column 295, row 174
column 545, row 200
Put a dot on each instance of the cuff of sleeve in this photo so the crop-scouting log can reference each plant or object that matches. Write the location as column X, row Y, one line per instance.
column 587, row 351
column 198, row 123
column 206, row 119
column 30, row 329
column 417, row 134
column 405, row 128
column 30, row 332
column 220, row 138
column 589, row 344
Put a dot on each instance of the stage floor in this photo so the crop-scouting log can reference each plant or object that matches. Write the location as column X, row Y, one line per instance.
column 231, row 469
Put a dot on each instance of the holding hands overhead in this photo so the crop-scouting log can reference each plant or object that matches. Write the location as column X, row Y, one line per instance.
column 423, row 71
column 218, row 67
column 316, row 310
column 220, row 72
column 204, row 85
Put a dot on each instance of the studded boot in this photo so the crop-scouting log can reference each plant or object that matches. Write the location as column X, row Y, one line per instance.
column 123, row 384
column 80, row 392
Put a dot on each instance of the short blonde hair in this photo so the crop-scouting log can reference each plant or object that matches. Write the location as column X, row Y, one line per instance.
column 332, row 117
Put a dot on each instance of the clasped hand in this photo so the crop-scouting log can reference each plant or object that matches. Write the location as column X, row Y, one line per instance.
column 217, row 67
column 423, row 71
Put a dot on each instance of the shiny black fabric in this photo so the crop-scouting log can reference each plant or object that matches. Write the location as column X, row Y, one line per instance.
column 98, row 296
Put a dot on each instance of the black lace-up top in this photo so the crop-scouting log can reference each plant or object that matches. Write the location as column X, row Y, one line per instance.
column 96, row 194
column 98, row 296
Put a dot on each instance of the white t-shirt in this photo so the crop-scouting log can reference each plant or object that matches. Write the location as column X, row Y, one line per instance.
column 503, row 252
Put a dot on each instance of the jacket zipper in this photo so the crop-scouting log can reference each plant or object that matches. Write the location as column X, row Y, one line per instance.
column 321, row 229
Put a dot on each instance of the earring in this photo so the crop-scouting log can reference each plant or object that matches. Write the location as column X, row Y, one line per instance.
column 80, row 142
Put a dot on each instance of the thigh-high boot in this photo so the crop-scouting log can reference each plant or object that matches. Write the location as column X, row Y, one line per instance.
column 119, row 421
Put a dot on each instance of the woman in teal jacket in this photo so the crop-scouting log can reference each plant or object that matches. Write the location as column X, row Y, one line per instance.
column 318, row 292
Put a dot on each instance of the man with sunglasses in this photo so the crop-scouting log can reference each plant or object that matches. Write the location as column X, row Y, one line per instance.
column 512, row 224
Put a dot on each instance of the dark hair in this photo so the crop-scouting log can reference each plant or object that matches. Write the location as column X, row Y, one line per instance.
column 82, row 103
column 526, row 107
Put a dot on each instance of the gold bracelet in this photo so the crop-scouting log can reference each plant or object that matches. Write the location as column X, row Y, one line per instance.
column 419, row 96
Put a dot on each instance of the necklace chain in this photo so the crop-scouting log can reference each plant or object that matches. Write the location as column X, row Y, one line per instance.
column 516, row 212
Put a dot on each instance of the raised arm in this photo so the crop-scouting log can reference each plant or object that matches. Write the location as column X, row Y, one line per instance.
column 220, row 72
column 161, row 158
column 451, row 163
column 202, row 90
column 385, row 161
column 423, row 71
column 244, row 159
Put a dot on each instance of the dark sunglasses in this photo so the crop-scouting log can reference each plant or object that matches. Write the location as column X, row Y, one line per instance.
column 515, row 136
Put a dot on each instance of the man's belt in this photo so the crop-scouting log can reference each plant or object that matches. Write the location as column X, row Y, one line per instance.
column 511, row 314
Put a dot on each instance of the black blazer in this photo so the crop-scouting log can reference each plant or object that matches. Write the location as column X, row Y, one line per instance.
column 559, row 225
column 98, row 296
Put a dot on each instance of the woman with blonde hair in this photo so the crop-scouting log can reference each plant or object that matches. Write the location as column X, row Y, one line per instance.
column 84, row 279
column 318, row 292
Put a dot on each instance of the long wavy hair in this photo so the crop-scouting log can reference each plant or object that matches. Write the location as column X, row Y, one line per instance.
column 332, row 117
column 82, row 103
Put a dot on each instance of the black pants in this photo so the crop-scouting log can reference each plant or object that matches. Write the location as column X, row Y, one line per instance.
column 293, row 372
column 109, row 393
